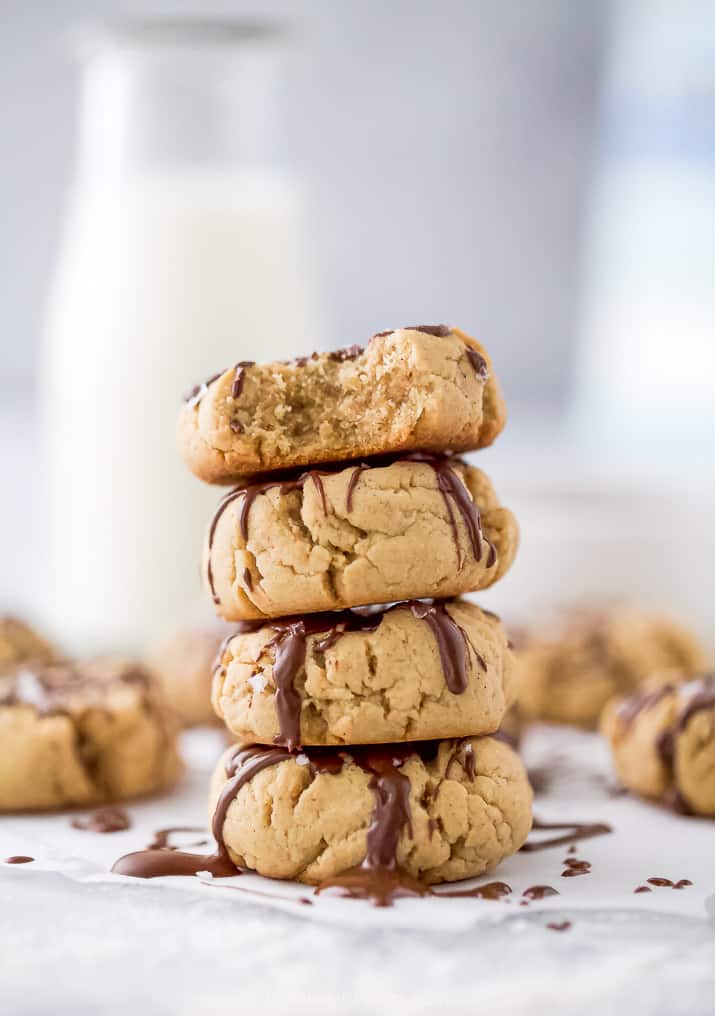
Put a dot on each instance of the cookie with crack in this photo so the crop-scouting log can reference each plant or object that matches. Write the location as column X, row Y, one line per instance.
column 410, row 671
column 567, row 673
column 375, row 532
column 20, row 643
column 76, row 735
column 366, row 818
column 428, row 387
column 663, row 743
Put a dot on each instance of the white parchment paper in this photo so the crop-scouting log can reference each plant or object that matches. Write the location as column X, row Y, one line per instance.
column 646, row 841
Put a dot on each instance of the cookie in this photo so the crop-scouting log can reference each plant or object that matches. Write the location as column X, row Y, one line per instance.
column 183, row 662
column 412, row 671
column 435, row 811
column 663, row 743
column 567, row 675
column 82, row 735
column 375, row 532
column 19, row 643
column 428, row 388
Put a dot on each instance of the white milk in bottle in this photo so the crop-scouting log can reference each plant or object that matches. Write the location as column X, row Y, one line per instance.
column 183, row 252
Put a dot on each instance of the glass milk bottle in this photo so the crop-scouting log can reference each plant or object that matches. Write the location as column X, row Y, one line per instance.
column 182, row 252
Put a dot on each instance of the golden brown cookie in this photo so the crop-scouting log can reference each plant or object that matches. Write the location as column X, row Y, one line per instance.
column 20, row 643
column 184, row 664
column 369, row 533
column 428, row 388
column 435, row 811
column 566, row 675
column 76, row 735
column 412, row 671
column 663, row 743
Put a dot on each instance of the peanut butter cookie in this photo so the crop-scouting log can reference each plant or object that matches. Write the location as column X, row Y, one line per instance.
column 429, row 387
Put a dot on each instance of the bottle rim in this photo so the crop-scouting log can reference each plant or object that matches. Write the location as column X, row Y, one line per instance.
column 90, row 38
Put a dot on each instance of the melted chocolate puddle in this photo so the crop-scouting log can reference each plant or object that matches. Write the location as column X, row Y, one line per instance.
column 574, row 831
column 106, row 820
column 289, row 645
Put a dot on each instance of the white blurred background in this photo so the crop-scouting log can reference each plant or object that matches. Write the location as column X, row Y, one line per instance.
column 542, row 175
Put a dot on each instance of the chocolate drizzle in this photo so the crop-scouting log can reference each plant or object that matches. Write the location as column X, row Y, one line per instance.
column 163, row 837
column 692, row 697
column 49, row 688
column 239, row 376
column 574, row 831
column 18, row 859
column 242, row 765
column 453, row 490
column 197, row 393
column 289, row 645
column 479, row 364
column 379, row 878
column 105, row 820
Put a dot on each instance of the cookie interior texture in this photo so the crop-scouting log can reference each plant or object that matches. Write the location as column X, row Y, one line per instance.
column 407, row 390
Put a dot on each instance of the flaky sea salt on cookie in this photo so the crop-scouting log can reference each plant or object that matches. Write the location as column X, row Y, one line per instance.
column 428, row 387
column 410, row 671
column 76, row 735
column 376, row 532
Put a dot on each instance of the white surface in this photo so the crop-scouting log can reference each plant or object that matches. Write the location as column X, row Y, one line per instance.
column 174, row 945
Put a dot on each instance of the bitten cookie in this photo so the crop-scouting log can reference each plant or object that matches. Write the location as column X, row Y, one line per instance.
column 184, row 664
column 367, row 533
column 413, row 671
column 663, row 743
column 436, row 811
column 19, row 643
column 81, row 735
column 568, row 674
column 428, row 387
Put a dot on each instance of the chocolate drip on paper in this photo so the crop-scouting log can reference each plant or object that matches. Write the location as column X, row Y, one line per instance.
column 574, row 831
column 105, row 820
column 539, row 892
column 242, row 765
column 290, row 646
column 162, row 837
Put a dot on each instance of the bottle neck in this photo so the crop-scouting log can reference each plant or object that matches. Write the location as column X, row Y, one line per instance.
column 155, row 110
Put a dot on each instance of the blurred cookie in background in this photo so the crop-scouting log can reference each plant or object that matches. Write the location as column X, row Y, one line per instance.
column 83, row 733
column 20, row 643
column 567, row 671
column 183, row 663
column 663, row 742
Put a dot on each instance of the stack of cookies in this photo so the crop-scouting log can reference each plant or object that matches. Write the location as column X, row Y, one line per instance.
column 364, row 695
